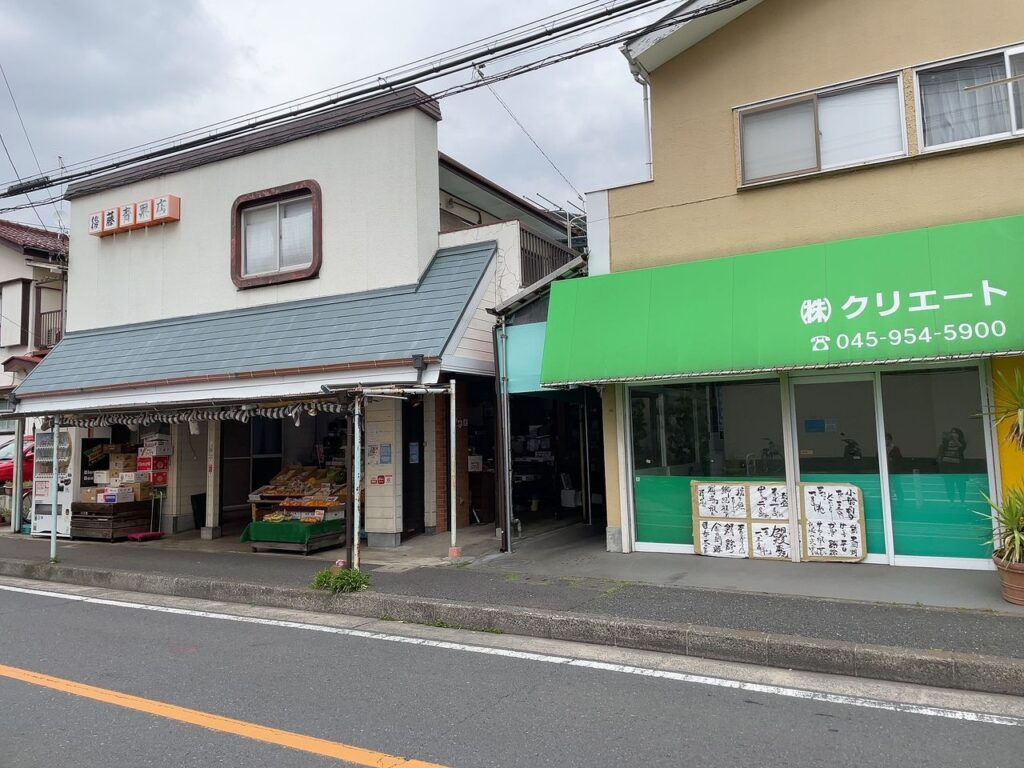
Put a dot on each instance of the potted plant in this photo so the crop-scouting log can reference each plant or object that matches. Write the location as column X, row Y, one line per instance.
column 1009, row 551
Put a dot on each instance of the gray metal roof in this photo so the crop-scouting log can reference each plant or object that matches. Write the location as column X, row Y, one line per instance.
column 390, row 324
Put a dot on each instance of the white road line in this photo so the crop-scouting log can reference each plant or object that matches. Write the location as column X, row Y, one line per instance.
column 773, row 690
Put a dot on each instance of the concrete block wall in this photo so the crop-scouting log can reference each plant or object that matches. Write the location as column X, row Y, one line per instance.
column 383, row 507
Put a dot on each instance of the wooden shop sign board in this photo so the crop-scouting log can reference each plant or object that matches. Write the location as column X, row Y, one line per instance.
column 139, row 215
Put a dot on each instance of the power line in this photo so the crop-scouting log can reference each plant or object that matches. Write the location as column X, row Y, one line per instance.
column 493, row 53
column 494, row 39
column 533, row 141
column 24, row 130
column 10, row 159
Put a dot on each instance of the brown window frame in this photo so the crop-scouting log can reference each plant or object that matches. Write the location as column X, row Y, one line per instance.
column 308, row 187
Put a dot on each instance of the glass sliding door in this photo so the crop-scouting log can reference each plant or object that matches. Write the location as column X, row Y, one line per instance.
column 938, row 472
column 684, row 432
column 837, row 442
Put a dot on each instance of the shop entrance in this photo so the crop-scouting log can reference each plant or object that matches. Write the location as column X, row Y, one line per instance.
column 914, row 442
column 412, row 467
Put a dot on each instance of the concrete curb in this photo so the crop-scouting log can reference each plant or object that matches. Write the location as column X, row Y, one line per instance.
column 944, row 669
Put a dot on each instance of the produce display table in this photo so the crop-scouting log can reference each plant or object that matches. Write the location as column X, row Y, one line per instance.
column 109, row 522
column 294, row 536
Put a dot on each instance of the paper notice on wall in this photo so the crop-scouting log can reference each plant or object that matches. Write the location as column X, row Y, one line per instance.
column 771, row 540
column 769, row 502
column 723, row 538
column 833, row 522
column 718, row 500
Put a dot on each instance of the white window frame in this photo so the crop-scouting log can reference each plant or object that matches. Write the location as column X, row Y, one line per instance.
column 993, row 137
column 276, row 204
column 886, row 77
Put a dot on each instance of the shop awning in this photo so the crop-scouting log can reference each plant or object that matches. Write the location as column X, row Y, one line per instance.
column 278, row 350
column 953, row 291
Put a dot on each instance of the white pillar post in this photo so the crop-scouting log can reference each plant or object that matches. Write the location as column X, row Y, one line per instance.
column 453, row 504
column 357, row 477
column 212, row 528
column 17, row 512
column 54, row 482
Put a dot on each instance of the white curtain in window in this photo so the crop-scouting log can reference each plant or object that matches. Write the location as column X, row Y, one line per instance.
column 296, row 233
column 860, row 124
column 779, row 141
column 260, row 240
column 950, row 113
column 1017, row 70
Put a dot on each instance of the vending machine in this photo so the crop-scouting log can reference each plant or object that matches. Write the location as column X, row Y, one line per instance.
column 78, row 455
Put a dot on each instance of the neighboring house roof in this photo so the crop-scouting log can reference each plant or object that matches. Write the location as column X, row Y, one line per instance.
column 374, row 328
column 664, row 40
column 32, row 240
column 263, row 138
column 464, row 182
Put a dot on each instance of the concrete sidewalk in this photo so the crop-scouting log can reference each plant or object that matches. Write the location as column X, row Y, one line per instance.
column 926, row 626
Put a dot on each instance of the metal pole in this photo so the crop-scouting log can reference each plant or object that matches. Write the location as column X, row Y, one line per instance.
column 55, row 479
column 452, row 491
column 587, row 495
column 349, row 475
column 357, row 480
column 505, row 420
column 19, row 477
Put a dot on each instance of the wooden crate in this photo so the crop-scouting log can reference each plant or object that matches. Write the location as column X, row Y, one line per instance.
column 109, row 522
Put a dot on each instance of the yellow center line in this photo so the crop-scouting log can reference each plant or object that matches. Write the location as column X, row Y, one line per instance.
column 346, row 752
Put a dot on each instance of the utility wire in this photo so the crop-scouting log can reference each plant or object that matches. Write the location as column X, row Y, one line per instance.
column 31, row 205
column 424, row 74
column 494, row 39
column 480, row 71
column 56, row 210
column 430, row 73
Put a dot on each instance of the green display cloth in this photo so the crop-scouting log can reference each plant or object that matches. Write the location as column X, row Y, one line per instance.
column 290, row 531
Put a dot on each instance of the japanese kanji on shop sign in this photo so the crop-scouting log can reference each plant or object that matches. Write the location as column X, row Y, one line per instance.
column 129, row 216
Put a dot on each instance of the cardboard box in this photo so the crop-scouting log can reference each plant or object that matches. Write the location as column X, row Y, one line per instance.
column 158, row 478
column 128, row 478
column 103, row 477
column 158, row 449
column 122, row 462
column 115, row 496
column 152, row 464
column 88, row 495
column 140, row 491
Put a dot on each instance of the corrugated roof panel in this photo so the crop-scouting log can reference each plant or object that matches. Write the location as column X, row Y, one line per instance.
column 388, row 324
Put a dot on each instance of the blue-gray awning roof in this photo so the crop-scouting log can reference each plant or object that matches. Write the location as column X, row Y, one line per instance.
column 372, row 327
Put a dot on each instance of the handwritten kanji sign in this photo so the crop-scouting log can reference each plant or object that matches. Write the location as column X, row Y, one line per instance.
column 833, row 522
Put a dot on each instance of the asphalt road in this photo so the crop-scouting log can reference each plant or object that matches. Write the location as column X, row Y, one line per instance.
column 449, row 705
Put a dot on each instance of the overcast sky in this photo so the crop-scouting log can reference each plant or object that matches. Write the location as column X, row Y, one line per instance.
column 100, row 76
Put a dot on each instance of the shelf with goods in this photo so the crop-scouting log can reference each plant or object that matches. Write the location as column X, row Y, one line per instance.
column 300, row 509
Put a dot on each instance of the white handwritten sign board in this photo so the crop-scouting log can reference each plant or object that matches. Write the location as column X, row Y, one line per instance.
column 718, row 500
column 746, row 520
column 833, row 522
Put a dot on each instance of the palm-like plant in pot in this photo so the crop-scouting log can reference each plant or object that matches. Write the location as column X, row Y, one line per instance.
column 1008, row 517
column 1009, row 540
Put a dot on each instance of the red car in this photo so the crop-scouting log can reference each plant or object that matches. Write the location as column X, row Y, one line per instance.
column 7, row 460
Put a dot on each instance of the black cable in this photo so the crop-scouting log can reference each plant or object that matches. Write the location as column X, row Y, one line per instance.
column 431, row 73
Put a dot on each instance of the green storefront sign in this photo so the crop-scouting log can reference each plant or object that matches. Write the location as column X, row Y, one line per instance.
column 934, row 293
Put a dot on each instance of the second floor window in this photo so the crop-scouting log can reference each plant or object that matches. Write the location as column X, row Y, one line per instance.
column 276, row 235
column 831, row 129
column 971, row 99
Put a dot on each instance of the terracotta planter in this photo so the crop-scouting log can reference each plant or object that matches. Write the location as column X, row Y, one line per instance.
column 1012, row 576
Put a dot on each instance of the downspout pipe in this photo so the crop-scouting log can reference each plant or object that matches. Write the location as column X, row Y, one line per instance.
column 641, row 76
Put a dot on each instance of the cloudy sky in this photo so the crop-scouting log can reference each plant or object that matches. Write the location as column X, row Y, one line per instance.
column 101, row 76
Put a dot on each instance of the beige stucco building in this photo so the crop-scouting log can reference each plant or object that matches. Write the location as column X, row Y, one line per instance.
column 867, row 154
